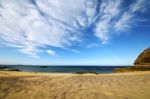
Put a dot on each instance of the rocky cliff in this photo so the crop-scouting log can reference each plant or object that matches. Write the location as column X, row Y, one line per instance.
column 143, row 59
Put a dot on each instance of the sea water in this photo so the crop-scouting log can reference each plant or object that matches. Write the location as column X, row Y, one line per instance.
column 68, row 69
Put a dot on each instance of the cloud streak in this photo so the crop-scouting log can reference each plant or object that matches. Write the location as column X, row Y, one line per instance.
column 129, row 17
column 51, row 53
column 31, row 25
column 108, row 11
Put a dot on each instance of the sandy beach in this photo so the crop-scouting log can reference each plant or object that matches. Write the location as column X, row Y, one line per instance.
column 24, row 85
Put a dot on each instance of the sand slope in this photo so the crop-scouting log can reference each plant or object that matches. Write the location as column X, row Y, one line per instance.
column 19, row 85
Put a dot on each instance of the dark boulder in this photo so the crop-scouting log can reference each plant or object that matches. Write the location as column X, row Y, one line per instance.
column 143, row 59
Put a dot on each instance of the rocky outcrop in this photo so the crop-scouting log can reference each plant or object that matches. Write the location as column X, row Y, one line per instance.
column 4, row 68
column 143, row 59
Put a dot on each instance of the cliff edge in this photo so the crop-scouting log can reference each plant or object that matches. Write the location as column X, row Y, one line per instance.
column 143, row 59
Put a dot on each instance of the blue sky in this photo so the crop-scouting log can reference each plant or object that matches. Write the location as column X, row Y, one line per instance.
column 73, row 32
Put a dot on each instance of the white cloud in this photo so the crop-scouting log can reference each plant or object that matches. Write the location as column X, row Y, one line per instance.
column 93, row 45
column 109, row 7
column 129, row 17
column 108, row 10
column 139, row 5
column 114, row 17
column 75, row 51
column 51, row 53
column 31, row 25
column 102, row 29
column 124, row 22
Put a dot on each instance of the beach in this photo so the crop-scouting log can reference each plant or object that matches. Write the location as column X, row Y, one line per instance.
column 30, row 85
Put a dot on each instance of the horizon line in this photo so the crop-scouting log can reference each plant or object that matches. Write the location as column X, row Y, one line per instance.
column 59, row 65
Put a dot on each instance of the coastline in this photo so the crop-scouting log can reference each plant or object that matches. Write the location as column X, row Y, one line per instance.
column 23, row 73
column 126, row 85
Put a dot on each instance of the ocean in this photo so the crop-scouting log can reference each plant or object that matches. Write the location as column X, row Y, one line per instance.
column 67, row 69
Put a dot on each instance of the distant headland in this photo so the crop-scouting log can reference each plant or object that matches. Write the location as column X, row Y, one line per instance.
column 143, row 59
column 142, row 63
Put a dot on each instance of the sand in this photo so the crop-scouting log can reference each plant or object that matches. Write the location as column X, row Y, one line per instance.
column 24, row 85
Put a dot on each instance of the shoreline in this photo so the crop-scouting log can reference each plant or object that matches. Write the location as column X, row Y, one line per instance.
column 24, row 73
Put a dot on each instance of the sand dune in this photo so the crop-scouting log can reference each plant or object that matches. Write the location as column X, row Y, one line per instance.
column 23, row 85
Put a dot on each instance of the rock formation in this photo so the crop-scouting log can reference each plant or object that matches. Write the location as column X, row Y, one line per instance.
column 5, row 68
column 143, row 59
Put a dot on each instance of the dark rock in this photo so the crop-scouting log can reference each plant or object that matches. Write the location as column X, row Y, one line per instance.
column 91, row 72
column 8, row 69
column 143, row 59
column 43, row 66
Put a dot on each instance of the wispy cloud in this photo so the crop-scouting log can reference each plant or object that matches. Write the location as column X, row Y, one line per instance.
column 51, row 53
column 93, row 45
column 124, row 23
column 31, row 25
column 114, row 17
column 108, row 10
column 129, row 17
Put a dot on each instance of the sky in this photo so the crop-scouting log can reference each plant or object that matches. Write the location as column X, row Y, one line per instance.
column 73, row 32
